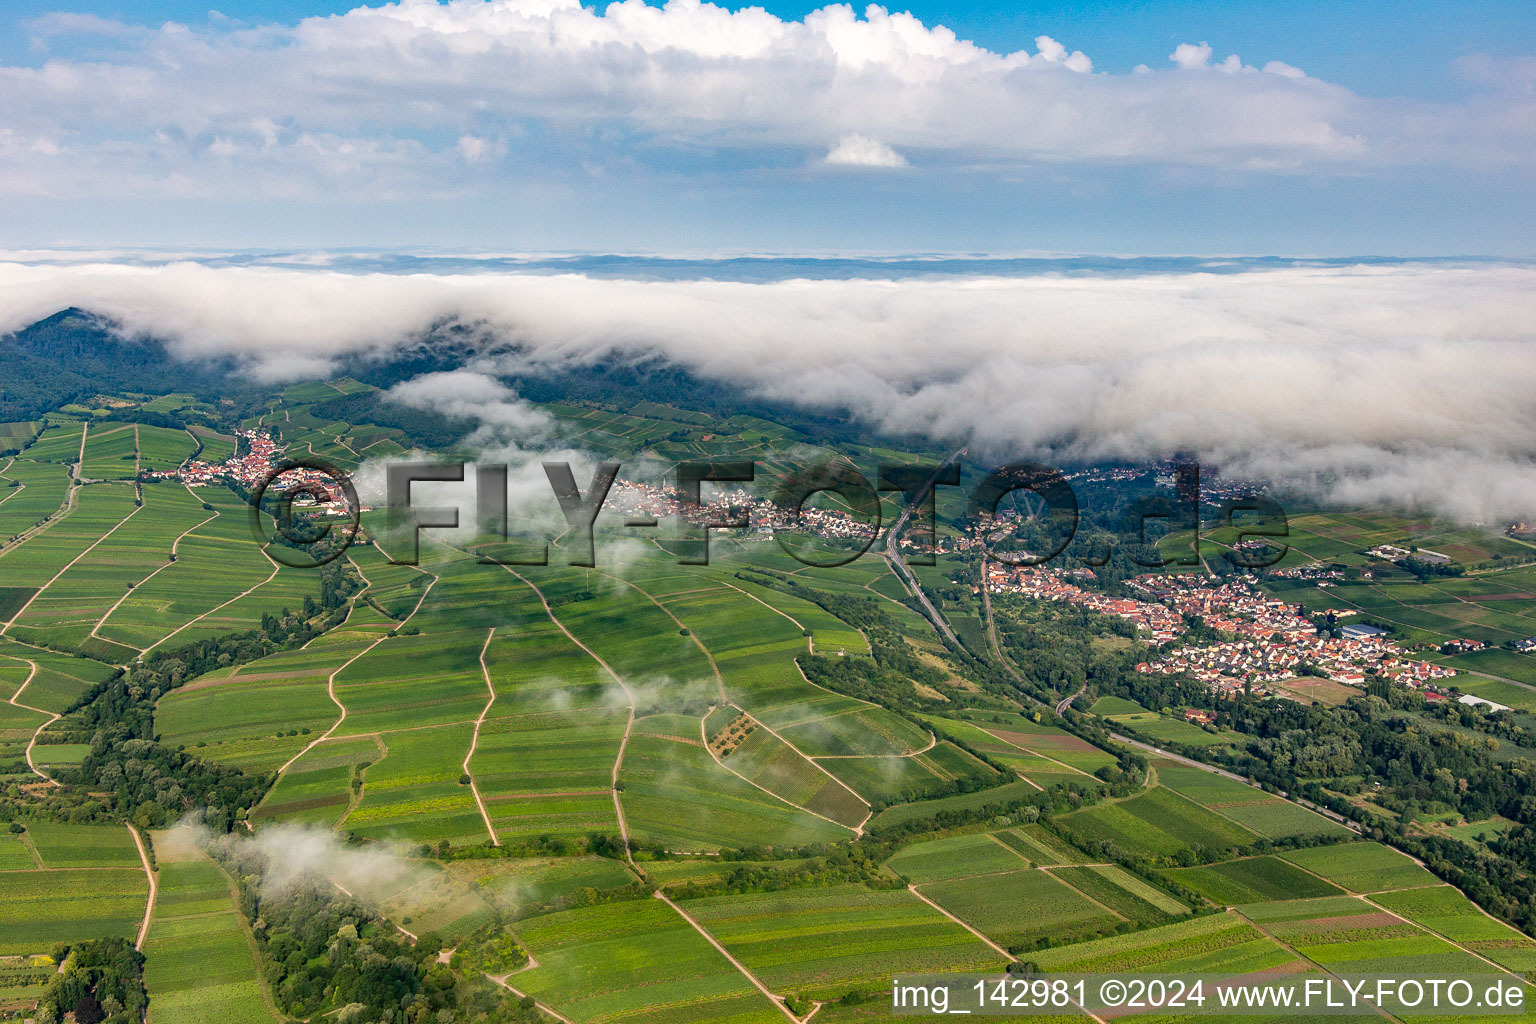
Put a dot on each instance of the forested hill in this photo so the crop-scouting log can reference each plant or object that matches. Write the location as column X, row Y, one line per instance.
column 74, row 355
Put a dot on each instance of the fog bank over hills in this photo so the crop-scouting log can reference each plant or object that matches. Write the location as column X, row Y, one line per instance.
column 1367, row 382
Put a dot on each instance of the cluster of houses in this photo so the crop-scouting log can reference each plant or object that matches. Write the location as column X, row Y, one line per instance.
column 257, row 453
column 250, row 469
column 1273, row 640
column 1315, row 573
column 1159, row 622
column 633, row 500
column 1270, row 640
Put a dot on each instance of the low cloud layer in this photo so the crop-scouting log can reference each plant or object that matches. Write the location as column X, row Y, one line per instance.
column 1406, row 384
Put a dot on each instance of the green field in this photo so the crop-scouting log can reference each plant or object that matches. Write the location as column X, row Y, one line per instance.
column 635, row 961
column 83, row 846
column 479, row 737
column 1362, row 867
column 201, row 962
column 1158, row 823
column 956, row 857
column 1218, row 944
column 1020, row 908
column 1269, row 816
column 819, row 943
column 40, row 908
column 1252, row 880
column 1445, row 911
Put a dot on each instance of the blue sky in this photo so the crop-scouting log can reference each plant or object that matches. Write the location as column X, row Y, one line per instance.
column 1407, row 130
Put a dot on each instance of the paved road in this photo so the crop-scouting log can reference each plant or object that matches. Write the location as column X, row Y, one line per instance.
column 892, row 554
column 1191, row 762
column 1065, row 702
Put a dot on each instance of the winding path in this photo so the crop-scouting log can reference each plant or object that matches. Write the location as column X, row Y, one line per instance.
column 330, row 684
column 475, row 739
column 154, row 886
column 52, row 717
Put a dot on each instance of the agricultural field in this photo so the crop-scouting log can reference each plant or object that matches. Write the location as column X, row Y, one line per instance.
column 960, row 856
column 58, row 442
column 111, row 452
column 1443, row 910
column 47, row 679
column 634, row 961
column 1362, row 867
column 1157, row 823
column 77, row 882
column 1051, row 756
column 29, row 493
column 1165, row 729
column 422, row 895
column 1134, row 899
column 15, row 436
column 1362, row 938
column 162, row 449
column 999, row 796
column 201, row 961
column 1020, row 908
column 1269, row 816
column 202, row 593
column 899, row 778
column 70, row 608
column 319, row 786
column 1041, row 847
column 1215, row 944
column 258, row 715
column 480, row 738
column 82, row 846
column 675, row 792
column 1252, row 880
column 820, row 943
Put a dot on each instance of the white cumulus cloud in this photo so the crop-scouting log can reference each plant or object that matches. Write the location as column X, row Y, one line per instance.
column 855, row 150
column 407, row 99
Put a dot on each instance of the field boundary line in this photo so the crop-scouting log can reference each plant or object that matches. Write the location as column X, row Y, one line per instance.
column 774, row 999
column 703, row 732
column 1190, row 762
column 129, row 593
column 618, row 806
column 1441, row 935
column 502, row 981
column 244, row 593
column 250, row 941
column 154, row 886
column 719, row 679
column 52, row 717
column 809, row 646
column 933, row 741
column 23, row 609
column 1084, row 895
column 994, row 946
column 720, row 684
column 330, row 684
column 475, row 739
column 1363, row 898
column 1036, row 753
column 1016, row 853
column 1298, row 954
